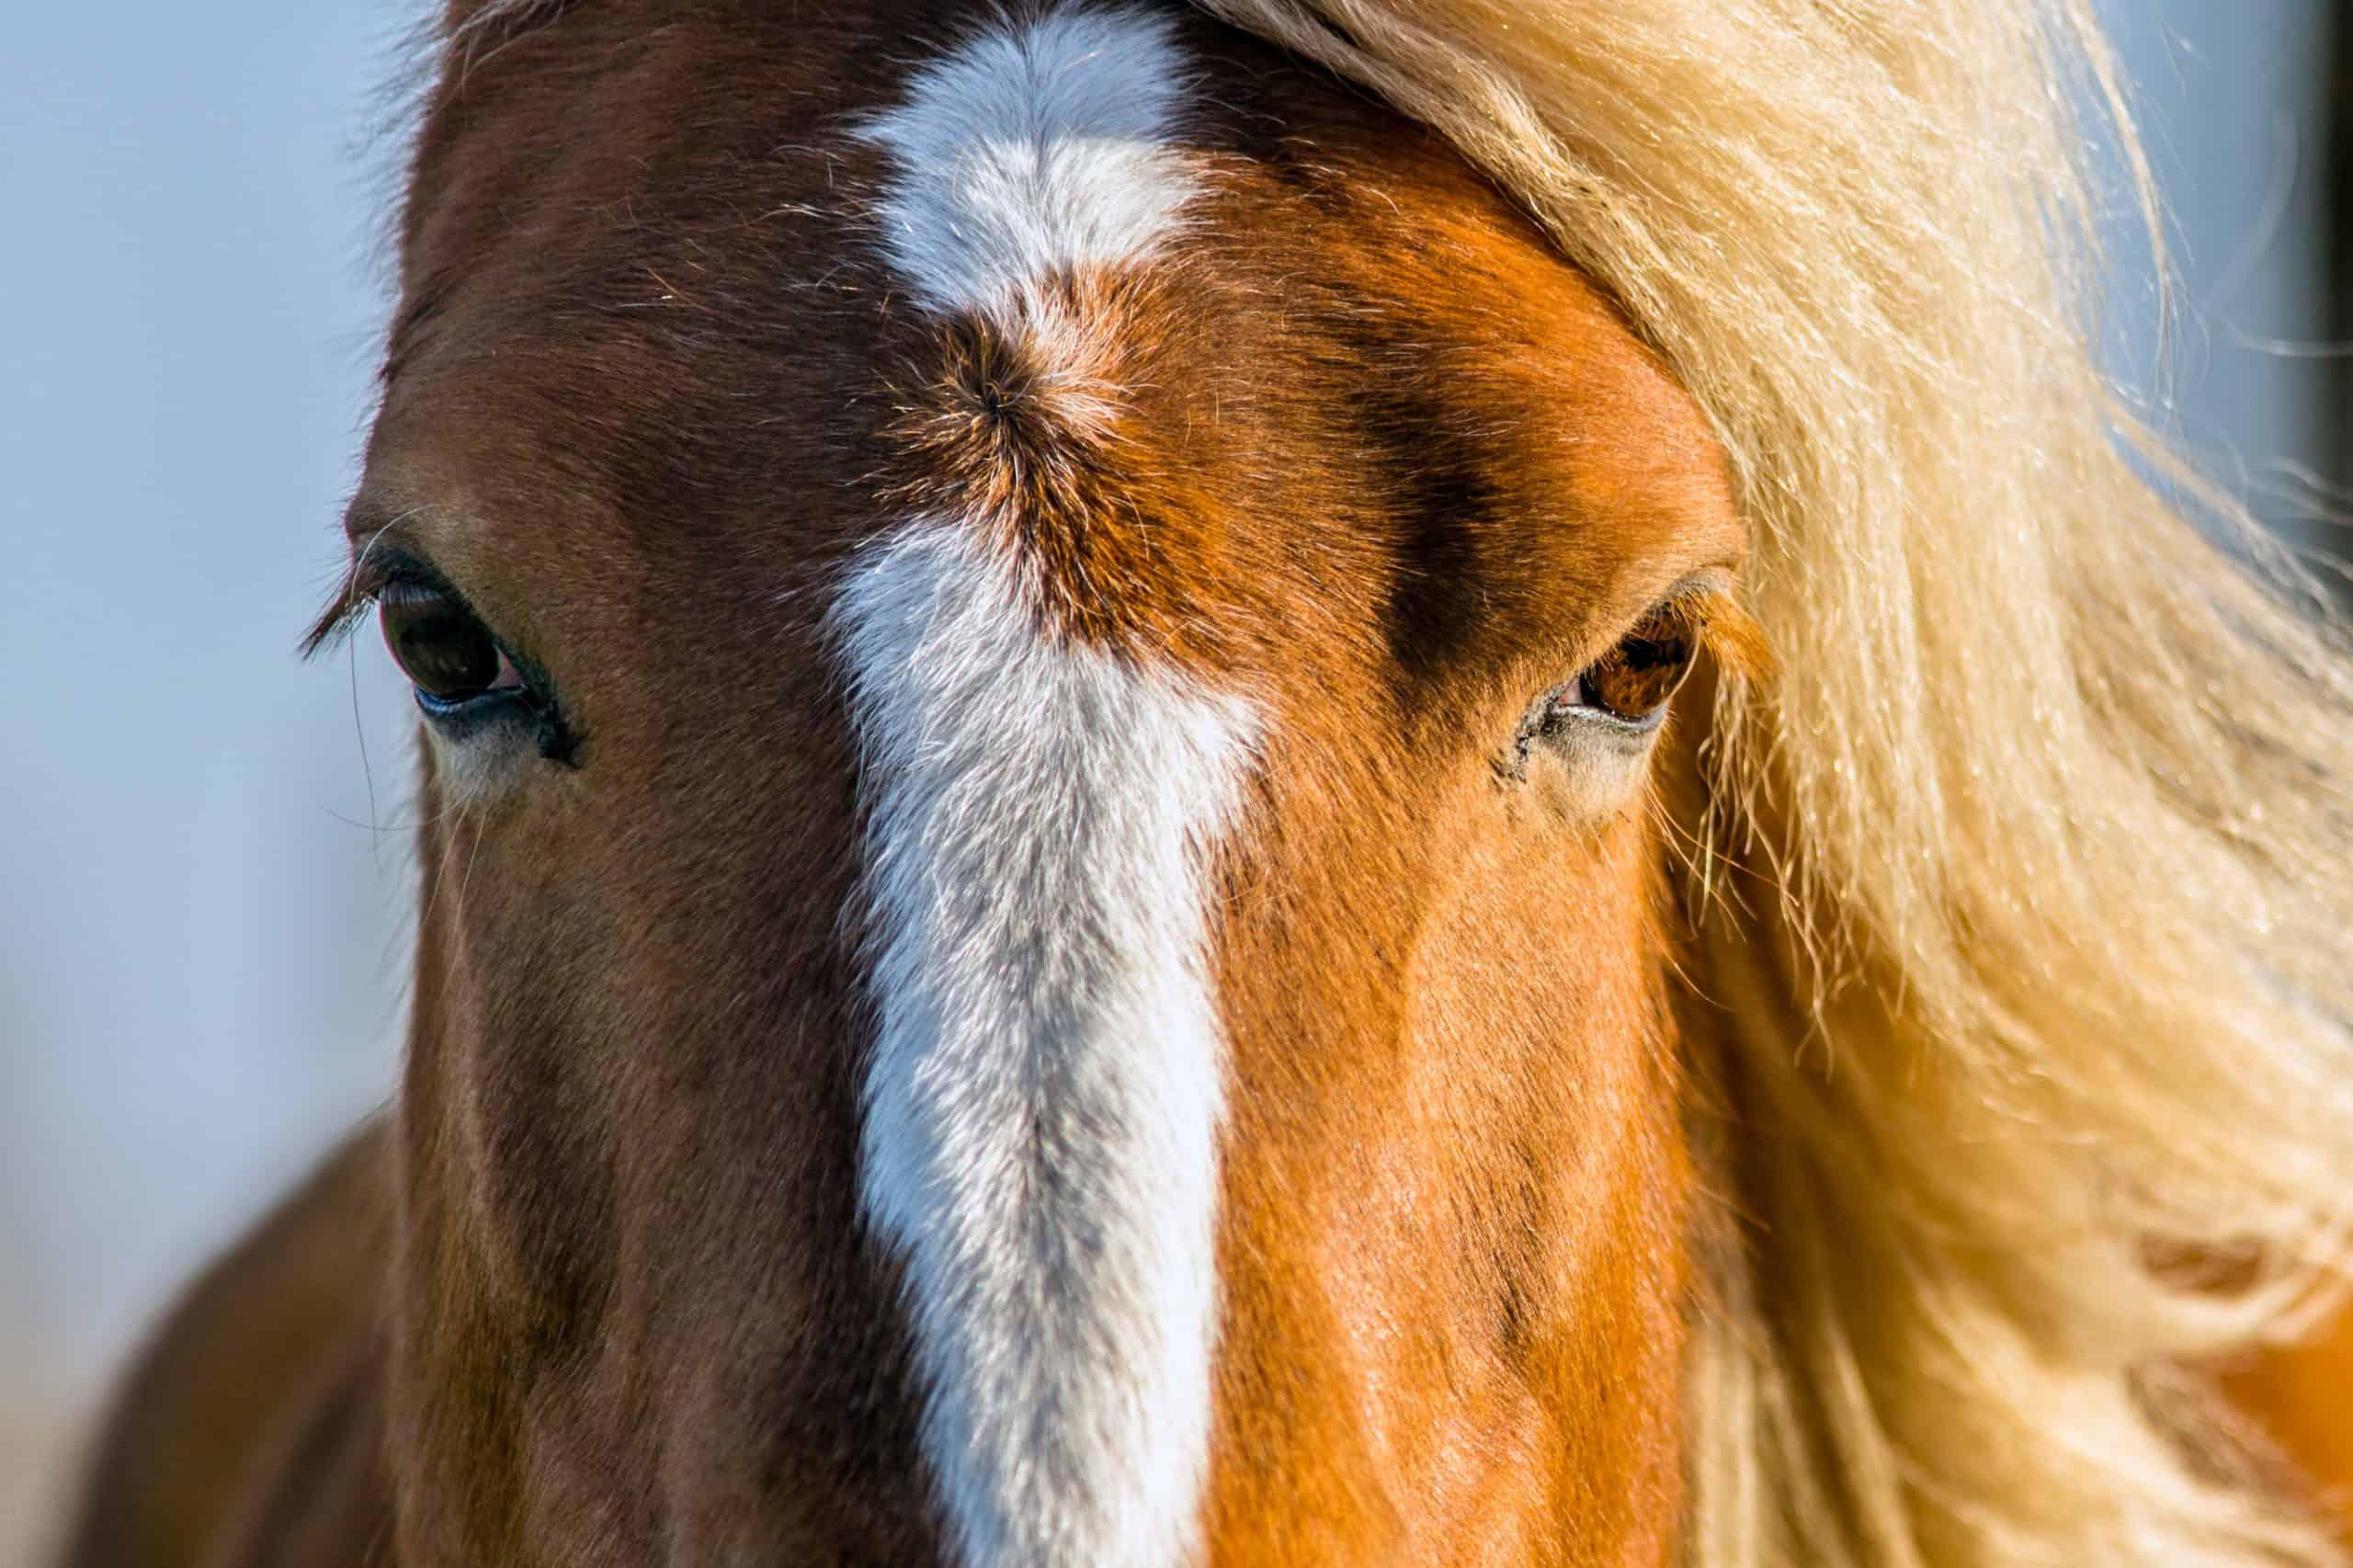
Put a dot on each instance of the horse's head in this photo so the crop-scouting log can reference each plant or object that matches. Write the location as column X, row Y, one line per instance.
column 1046, row 648
column 1066, row 674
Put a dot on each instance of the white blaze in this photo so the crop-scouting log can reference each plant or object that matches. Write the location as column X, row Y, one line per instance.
column 1041, row 1114
column 1034, row 150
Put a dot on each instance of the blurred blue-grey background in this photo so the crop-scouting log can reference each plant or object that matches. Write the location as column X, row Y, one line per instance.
column 202, row 871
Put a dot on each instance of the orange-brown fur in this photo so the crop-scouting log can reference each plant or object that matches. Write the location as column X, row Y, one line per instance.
column 1381, row 458
column 2302, row 1399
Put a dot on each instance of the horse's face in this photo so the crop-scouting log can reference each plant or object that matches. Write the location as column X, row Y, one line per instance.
column 1043, row 652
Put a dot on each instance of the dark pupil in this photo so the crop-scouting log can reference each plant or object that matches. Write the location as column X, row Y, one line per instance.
column 442, row 648
column 1634, row 679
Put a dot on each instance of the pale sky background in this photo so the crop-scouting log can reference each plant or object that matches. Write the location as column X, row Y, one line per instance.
column 199, row 963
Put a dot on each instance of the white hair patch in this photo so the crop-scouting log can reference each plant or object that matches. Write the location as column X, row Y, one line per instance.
column 1034, row 150
column 1043, row 1109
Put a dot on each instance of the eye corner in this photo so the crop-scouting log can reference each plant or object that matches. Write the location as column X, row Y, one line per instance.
column 557, row 741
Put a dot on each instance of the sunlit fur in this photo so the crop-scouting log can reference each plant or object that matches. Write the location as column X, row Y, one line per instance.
column 2027, row 883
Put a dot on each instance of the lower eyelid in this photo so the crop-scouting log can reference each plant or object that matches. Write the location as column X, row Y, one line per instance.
column 444, row 707
column 551, row 735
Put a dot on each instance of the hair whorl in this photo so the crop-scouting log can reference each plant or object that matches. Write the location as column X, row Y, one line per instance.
column 2034, row 967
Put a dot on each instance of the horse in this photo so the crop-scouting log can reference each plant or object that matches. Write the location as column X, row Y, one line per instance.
column 1306, row 782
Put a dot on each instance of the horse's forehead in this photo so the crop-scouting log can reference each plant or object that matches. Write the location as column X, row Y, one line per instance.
column 1205, row 340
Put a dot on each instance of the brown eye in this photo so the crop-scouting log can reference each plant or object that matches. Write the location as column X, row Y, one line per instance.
column 448, row 655
column 1634, row 681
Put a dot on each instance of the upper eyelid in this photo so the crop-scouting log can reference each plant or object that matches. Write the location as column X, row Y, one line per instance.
column 381, row 569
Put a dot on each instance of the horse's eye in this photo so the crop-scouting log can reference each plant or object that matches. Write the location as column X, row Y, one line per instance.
column 448, row 655
column 1634, row 681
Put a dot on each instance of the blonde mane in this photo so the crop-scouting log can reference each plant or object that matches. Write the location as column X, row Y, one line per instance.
column 2020, row 974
